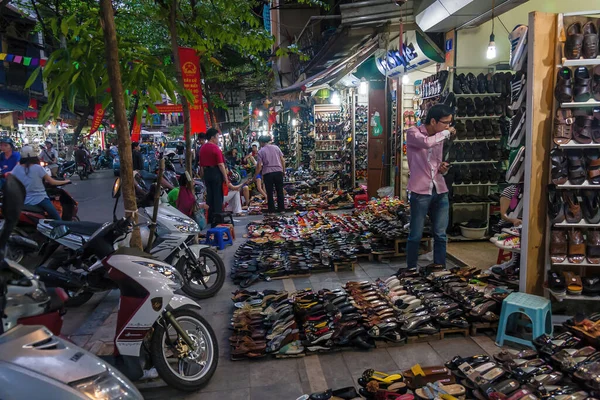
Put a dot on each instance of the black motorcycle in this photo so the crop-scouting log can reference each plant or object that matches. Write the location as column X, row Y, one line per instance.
column 66, row 170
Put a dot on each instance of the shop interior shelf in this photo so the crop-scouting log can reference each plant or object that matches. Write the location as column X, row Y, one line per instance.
column 572, row 297
column 585, row 185
column 477, row 94
column 477, row 140
column 579, row 63
column 431, row 97
column 566, row 263
column 574, row 145
column 475, row 203
column 580, row 224
column 474, row 184
column 577, row 104
column 476, row 162
column 480, row 117
column 327, row 151
column 328, row 140
column 337, row 160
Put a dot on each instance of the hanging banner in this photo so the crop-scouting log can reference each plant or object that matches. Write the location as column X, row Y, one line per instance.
column 136, row 130
column 166, row 108
column 190, row 69
column 98, row 116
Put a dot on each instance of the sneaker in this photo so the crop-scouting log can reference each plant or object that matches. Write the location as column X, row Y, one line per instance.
column 500, row 237
column 518, row 47
column 513, row 243
column 514, row 231
column 518, row 88
column 517, row 129
column 516, row 171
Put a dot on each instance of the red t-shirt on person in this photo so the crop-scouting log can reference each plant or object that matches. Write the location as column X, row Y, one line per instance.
column 211, row 155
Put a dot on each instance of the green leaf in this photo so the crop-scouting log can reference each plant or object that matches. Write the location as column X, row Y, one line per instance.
column 32, row 78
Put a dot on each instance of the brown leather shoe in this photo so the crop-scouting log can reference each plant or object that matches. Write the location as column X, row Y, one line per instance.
column 590, row 41
column 574, row 41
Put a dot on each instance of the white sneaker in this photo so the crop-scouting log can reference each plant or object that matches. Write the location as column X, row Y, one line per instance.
column 515, row 231
column 517, row 129
column 518, row 88
column 516, row 171
column 518, row 47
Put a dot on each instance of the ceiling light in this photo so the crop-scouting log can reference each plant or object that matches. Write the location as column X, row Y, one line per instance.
column 405, row 79
column 491, row 50
column 294, row 122
column 335, row 99
column 363, row 87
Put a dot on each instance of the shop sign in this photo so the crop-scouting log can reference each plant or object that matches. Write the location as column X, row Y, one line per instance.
column 190, row 70
column 414, row 55
column 449, row 45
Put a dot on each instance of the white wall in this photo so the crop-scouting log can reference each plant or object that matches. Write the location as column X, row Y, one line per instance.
column 472, row 43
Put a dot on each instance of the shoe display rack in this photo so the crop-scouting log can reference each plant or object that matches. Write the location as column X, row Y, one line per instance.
column 484, row 109
column 306, row 138
column 574, row 189
column 328, row 134
column 281, row 138
column 361, row 113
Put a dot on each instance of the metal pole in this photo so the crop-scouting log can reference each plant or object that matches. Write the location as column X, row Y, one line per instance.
column 353, row 107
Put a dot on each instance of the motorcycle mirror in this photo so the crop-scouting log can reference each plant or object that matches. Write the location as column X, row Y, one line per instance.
column 11, row 210
column 116, row 191
column 59, row 232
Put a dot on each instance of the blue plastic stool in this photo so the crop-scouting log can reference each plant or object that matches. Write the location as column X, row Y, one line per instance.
column 537, row 308
column 218, row 237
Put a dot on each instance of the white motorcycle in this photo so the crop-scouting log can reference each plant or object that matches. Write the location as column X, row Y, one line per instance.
column 33, row 362
column 202, row 269
column 155, row 327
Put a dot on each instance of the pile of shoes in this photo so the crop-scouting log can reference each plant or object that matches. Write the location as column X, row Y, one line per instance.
column 508, row 271
column 283, row 335
column 347, row 393
column 329, row 320
column 380, row 385
column 248, row 323
column 378, row 315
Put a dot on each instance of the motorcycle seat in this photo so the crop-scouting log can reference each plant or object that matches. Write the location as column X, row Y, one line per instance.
column 80, row 227
column 34, row 209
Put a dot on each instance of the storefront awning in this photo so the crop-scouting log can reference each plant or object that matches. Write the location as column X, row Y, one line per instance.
column 336, row 71
column 13, row 101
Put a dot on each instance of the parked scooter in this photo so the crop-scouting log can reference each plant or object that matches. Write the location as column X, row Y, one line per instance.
column 155, row 327
column 102, row 162
column 33, row 362
column 202, row 269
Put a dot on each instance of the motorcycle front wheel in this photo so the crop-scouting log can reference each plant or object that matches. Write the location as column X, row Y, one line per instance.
column 212, row 274
column 178, row 367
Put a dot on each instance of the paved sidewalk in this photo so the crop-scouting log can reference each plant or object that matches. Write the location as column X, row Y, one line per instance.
column 270, row 378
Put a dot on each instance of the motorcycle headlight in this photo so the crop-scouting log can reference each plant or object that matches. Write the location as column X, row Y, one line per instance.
column 107, row 386
column 167, row 271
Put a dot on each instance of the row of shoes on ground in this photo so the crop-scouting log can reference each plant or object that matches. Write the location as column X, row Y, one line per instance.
column 329, row 320
column 378, row 314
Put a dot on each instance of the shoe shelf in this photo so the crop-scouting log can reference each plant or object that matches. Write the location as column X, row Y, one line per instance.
column 336, row 160
column 474, row 184
column 580, row 224
column 574, row 145
column 479, row 117
column 584, row 185
column 578, row 104
column 478, row 94
column 431, row 97
column 579, row 63
column 327, row 151
column 561, row 297
column 477, row 162
column 567, row 263
column 328, row 140
column 479, row 140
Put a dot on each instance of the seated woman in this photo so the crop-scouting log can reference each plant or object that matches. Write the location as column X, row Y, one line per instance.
column 186, row 198
column 32, row 175
column 232, row 201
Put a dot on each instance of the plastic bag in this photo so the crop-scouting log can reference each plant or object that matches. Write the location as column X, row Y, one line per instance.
column 387, row 191
column 200, row 218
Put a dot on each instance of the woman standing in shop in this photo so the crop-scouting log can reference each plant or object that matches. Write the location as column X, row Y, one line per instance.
column 428, row 190
column 212, row 169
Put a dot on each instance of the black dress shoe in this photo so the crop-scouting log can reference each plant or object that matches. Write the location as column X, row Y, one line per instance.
column 326, row 395
column 346, row 393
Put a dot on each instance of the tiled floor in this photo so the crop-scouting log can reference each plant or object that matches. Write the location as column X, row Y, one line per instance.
column 285, row 379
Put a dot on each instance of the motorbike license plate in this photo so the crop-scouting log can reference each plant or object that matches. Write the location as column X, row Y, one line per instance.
column 79, row 168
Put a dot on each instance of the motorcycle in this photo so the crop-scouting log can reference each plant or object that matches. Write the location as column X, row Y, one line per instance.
column 202, row 269
column 32, row 358
column 155, row 328
column 66, row 169
column 102, row 162
column 83, row 170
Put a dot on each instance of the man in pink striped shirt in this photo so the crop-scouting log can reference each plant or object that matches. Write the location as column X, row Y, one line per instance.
column 428, row 190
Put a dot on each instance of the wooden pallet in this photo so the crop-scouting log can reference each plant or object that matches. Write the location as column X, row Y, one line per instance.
column 344, row 265
column 368, row 256
column 422, row 338
column 290, row 277
column 450, row 331
column 480, row 326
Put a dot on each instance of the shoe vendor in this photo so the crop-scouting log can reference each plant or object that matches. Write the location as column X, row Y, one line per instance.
column 428, row 190
column 511, row 206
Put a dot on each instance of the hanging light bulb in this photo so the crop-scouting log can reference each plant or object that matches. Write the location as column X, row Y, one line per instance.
column 335, row 99
column 491, row 50
column 405, row 79
column 294, row 122
column 260, row 113
column 363, row 88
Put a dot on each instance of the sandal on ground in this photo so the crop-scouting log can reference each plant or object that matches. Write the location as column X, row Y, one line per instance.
column 576, row 248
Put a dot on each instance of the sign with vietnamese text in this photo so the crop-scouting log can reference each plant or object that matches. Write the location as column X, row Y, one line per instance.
column 190, row 70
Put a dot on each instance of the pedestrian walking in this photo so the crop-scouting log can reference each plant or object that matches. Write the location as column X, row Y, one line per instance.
column 428, row 190
column 271, row 166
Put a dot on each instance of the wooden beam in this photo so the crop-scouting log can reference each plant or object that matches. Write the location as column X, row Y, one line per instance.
column 541, row 68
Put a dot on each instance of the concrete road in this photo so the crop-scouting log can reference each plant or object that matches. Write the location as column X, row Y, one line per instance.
column 94, row 196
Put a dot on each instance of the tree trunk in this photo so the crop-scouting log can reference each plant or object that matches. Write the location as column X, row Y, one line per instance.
column 107, row 20
column 187, row 129
column 82, row 121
